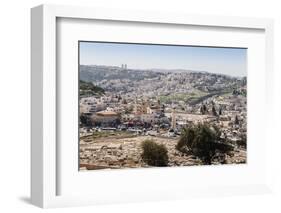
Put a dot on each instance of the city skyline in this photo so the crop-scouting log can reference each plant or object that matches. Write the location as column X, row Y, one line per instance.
column 220, row 60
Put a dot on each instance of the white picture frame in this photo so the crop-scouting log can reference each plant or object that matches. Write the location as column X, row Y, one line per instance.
column 44, row 149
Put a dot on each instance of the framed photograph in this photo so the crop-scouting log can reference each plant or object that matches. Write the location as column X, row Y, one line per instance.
column 130, row 106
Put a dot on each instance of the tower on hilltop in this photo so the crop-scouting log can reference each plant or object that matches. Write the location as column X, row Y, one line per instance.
column 124, row 66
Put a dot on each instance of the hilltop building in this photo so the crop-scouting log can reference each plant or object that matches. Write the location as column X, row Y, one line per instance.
column 124, row 66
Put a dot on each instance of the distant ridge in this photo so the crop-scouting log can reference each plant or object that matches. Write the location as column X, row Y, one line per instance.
column 86, row 69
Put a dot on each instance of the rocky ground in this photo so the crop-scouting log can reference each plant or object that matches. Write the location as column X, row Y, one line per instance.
column 125, row 152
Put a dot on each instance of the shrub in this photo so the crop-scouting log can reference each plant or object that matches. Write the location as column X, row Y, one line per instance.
column 243, row 141
column 202, row 141
column 154, row 154
column 85, row 120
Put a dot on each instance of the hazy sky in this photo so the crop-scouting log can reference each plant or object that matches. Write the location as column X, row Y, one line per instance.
column 230, row 61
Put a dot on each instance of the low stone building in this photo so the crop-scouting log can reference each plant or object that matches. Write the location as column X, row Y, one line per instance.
column 105, row 119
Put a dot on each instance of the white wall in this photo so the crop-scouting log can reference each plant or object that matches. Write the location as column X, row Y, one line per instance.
column 15, row 98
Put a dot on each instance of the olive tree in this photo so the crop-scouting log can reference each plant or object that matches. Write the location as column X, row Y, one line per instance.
column 203, row 141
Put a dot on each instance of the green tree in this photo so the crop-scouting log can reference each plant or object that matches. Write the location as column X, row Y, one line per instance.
column 203, row 141
column 214, row 111
column 220, row 111
column 154, row 154
column 236, row 121
column 85, row 120
column 203, row 109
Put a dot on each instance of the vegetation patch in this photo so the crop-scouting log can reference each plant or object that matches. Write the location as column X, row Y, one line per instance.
column 181, row 97
column 154, row 154
column 204, row 142
column 89, row 89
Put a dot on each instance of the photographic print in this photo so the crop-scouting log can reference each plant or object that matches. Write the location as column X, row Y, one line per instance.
column 158, row 105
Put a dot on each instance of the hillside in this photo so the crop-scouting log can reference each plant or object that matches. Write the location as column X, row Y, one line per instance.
column 99, row 73
column 185, row 84
column 89, row 89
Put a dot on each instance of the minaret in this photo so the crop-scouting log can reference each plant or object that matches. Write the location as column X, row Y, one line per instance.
column 136, row 106
column 173, row 119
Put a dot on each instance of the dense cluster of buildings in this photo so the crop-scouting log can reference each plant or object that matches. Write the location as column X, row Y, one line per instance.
column 143, row 115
